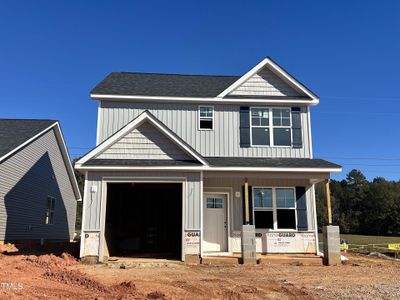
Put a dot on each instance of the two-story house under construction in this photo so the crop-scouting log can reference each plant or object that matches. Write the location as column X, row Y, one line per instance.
column 167, row 177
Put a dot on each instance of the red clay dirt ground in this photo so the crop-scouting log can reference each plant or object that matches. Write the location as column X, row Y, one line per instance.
column 63, row 277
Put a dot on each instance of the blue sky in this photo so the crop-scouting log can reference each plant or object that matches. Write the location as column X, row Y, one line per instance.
column 52, row 53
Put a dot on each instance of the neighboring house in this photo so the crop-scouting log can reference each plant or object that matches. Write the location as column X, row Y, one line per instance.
column 38, row 190
column 174, row 152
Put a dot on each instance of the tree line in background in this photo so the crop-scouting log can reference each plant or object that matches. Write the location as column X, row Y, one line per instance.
column 360, row 206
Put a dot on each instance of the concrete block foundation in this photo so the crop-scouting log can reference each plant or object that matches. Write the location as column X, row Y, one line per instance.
column 249, row 244
column 331, row 238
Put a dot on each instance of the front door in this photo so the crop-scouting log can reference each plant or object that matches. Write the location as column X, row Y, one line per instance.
column 215, row 223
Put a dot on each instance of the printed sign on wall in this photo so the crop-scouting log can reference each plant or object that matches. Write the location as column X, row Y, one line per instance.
column 290, row 242
column 192, row 242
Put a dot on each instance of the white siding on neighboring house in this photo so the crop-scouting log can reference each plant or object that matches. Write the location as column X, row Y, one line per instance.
column 182, row 119
column 144, row 142
column 265, row 83
column 26, row 179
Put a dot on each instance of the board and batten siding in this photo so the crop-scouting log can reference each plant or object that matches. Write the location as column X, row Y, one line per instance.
column 182, row 119
column 144, row 142
column 26, row 179
column 92, row 200
column 235, row 184
column 265, row 83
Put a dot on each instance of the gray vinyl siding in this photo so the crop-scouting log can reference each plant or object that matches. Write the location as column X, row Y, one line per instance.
column 144, row 142
column 182, row 119
column 92, row 201
column 265, row 83
column 236, row 184
column 26, row 179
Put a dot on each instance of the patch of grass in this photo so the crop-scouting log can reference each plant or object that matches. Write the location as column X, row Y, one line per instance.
column 366, row 239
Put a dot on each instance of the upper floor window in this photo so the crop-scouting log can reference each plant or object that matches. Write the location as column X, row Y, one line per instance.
column 270, row 126
column 206, row 117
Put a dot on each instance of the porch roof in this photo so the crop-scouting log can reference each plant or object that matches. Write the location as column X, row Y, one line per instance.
column 218, row 164
column 270, row 162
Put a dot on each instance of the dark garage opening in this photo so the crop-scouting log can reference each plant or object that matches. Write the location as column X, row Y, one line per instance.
column 144, row 220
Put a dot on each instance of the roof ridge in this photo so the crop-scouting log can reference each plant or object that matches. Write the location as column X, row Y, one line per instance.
column 26, row 119
column 175, row 74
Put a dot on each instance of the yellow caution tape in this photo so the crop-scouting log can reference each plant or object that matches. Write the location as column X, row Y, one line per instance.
column 394, row 246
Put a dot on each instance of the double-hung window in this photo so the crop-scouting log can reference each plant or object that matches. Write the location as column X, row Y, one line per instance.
column 274, row 208
column 263, row 208
column 260, row 133
column 206, row 117
column 270, row 126
column 50, row 207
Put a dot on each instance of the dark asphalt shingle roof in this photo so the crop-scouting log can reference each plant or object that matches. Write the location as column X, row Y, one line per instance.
column 270, row 162
column 166, row 85
column 219, row 162
column 14, row 132
column 140, row 163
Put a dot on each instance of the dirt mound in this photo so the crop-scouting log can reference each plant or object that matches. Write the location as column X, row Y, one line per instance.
column 157, row 296
column 76, row 278
column 51, row 261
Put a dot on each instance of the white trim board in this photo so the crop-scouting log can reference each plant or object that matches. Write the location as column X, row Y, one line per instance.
column 145, row 116
column 205, row 100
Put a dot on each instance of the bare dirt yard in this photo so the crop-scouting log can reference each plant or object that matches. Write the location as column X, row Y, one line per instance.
column 63, row 277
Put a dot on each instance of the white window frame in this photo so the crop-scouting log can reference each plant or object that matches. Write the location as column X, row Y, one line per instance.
column 274, row 208
column 270, row 127
column 48, row 220
column 206, row 118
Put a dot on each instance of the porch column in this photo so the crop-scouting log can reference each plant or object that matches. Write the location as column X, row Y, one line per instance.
column 331, row 235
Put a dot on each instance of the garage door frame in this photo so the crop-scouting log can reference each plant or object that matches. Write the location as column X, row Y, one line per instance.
column 103, row 208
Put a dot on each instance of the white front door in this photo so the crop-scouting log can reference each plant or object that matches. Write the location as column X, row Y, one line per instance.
column 215, row 223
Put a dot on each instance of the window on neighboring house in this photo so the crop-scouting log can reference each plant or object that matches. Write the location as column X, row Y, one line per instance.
column 270, row 126
column 274, row 208
column 49, row 216
column 206, row 117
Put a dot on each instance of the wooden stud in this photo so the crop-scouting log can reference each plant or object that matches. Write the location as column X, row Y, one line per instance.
column 246, row 201
column 328, row 202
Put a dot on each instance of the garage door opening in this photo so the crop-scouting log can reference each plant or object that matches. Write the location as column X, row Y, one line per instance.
column 144, row 220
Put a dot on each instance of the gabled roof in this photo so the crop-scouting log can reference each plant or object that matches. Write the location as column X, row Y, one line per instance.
column 165, row 85
column 199, row 88
column 15, row 134
column 145, row 116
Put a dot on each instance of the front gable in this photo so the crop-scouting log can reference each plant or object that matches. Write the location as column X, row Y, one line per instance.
column 143, row 139
column 265, row 83
column 267, row 80
column 144, row 142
